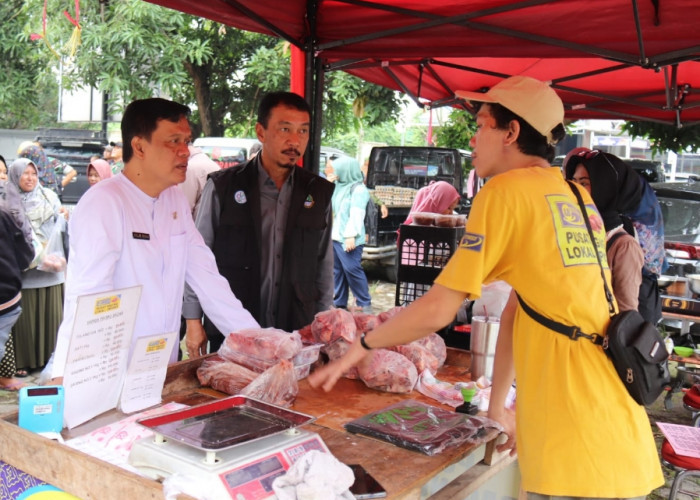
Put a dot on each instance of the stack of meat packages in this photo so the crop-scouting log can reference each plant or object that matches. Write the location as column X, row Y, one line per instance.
column 392, row 370
column 255, row 363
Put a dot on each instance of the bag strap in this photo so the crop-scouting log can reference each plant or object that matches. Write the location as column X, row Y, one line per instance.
column 573, row 332
column 584, row 213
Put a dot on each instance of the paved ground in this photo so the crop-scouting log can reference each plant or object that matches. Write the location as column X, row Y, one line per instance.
column 383, row 294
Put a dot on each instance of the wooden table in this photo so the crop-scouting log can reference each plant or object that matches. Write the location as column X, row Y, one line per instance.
column 404, row 474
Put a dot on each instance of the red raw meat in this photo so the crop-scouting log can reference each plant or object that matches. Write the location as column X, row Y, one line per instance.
column 365, row 322
column 436, row 345
column 307, row 336
column 383, row 316
column 277, row 385
column 330, row 325
column 388, row 371
column 421, row 357
column 266, row 344
column 224, row 376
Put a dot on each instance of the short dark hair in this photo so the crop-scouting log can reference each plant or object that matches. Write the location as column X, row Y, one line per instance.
column 530, row 141
column 274, row 99
column 141, row 119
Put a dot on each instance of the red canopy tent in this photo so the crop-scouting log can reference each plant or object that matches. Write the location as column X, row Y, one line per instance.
column 629, row 59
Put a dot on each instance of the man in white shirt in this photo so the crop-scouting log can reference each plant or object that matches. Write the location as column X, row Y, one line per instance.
column 137, row 229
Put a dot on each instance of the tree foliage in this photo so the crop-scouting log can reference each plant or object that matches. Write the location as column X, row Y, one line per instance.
column 665, row 137
column 27, row 93
column 458, row 130
column 133, row 49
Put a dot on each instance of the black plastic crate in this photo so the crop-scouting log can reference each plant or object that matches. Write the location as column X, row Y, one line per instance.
column 423, row 253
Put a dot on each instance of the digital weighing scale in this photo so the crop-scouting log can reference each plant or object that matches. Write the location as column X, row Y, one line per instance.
column 239, row 445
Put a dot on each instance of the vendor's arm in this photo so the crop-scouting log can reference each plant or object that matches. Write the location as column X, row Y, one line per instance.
column 324, row 275
column 504, row 374
column 426, row 315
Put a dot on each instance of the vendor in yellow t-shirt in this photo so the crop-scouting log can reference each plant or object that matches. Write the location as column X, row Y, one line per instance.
column 578, row 432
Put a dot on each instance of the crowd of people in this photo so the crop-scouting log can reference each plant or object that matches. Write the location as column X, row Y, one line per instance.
column 270, row 244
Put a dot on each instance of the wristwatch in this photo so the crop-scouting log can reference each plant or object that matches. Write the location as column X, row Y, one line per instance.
column 363, row 343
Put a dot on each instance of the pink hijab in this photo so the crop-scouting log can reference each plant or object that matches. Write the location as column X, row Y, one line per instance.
column 102, row 167
column 434, row 198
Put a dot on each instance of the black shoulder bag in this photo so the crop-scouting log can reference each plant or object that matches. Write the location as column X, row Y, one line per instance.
column 634, row 345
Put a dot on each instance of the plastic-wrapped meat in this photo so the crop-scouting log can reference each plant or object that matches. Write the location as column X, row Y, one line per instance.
column 269, row 344
column 388, row 371
column 307, row 336
column 277, row 385
column 337, row 349
column 383, row 316
column 421, row 357
column 436, row 345
column 333, row 324
column 365, row 322
column 224, row 376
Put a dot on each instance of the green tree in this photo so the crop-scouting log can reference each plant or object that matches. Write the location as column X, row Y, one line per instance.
column 458, row 130
column 665, row 137
column 133, row 49
column 27, row 92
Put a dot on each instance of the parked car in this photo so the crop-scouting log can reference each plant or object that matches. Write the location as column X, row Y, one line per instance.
column 680, row 206
column 74, row 147
column 401, row 171
column 226, row 151
column 651, row 170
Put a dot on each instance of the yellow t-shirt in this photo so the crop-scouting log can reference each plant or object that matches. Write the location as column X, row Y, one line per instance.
column 578, row 431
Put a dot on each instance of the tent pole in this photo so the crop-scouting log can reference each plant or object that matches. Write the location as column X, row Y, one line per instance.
column 317, row 117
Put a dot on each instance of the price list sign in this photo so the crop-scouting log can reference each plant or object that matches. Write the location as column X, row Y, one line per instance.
column 98, row 353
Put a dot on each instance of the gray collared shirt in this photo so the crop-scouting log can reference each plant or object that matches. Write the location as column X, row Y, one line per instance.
column 274, row 207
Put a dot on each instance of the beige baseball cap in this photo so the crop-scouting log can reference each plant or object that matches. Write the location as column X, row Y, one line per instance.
column 532, row 100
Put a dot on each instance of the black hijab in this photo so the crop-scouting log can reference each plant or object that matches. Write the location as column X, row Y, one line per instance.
column 615, row 187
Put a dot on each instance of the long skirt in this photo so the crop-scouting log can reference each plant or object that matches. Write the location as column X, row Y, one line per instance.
column 36, row 329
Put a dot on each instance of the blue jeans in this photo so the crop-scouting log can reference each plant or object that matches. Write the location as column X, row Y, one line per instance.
column 7, row 321
column 348, row 273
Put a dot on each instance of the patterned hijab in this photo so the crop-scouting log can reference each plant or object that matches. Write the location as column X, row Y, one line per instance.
column 47, row 175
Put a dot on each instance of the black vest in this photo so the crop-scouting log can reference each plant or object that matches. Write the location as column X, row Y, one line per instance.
column 238, row 239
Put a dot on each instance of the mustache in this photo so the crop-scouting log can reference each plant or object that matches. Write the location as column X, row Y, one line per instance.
column 292, row 150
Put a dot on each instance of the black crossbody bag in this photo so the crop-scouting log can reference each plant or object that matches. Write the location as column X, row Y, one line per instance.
column 634, row 345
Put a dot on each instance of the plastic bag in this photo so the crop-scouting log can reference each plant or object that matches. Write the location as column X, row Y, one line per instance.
column 493, row 299
column 53, row 257
column 417, row 426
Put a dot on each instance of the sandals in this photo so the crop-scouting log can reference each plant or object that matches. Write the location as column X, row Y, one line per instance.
column 21, row 373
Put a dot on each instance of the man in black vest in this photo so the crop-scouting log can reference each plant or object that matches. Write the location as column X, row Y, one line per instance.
column 268, row 223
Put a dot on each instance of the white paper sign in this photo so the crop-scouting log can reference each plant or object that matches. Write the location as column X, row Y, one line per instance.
column 147, row 369
column 684, row 439
column 98, row 353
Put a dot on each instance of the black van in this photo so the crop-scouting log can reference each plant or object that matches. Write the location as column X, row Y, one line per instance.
column 74, row 147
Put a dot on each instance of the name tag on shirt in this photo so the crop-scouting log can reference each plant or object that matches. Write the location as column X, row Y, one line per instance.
column 141, row 236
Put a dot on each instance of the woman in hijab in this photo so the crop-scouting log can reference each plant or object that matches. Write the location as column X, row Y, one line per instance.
column 16, row 255
column 349, row 204
column 438, row 197
column 616, row 189
column 42, row 291
column 3, row 169
column 98, row 170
